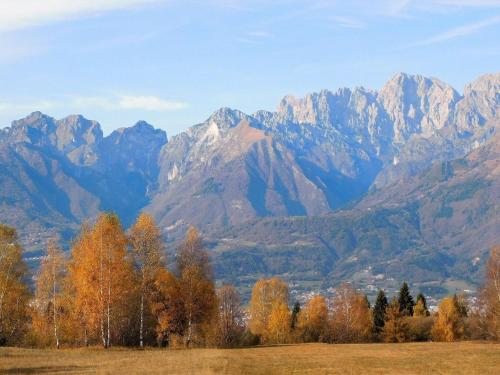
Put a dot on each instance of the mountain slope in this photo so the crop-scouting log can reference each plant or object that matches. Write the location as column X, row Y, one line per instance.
column 433, row 229
column 353, row 183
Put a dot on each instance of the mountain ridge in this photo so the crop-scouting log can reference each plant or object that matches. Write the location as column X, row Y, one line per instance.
column 312, row 157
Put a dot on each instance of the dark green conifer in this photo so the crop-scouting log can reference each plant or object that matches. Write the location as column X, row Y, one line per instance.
column 381, row 304
column 405, row 300
column 295, row 314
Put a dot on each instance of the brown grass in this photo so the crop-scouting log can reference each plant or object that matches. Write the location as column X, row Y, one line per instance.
column 414, row 358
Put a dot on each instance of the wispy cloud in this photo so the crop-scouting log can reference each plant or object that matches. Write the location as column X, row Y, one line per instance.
column 20, row 14
column 348, row 22
column 9, row 107
column 150, row 103
column 128, row 102
column 460, row 31
column 408, row 8
column 147, row 103
column 254, row 37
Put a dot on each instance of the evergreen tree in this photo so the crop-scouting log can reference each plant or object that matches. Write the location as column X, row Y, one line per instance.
column 461, row 305
column 405, row 300
column 379, row 311
column 295, row 314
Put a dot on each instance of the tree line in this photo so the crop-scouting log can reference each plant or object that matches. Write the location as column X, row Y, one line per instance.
column 116, row 289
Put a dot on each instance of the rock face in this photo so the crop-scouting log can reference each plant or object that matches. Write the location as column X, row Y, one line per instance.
column 56, row 173
column 311, row 157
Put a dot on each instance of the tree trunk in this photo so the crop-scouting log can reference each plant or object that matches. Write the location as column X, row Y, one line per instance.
column 101, row 293
column 109, row 304
column 141, row 333
column 188, row 341
column 54, row 302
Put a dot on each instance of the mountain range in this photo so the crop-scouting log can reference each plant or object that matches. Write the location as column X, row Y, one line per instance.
column 355, row 184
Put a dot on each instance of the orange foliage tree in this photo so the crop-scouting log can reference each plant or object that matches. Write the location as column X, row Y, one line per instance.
column 102, row 279
column 266, row 294
column 146, row 244
column 351, row 317
column 48, row 307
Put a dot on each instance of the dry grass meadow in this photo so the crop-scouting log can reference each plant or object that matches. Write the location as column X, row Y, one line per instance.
column 413, row 358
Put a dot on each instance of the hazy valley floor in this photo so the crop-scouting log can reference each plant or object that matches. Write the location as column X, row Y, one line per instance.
column 412, row 358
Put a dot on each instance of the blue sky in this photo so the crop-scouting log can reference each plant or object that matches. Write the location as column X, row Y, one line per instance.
column 172, row 63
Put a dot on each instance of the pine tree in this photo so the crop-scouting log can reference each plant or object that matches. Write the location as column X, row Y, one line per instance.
column 405, row 300
column 295, row 314
column 379, row 310
column 461, row 305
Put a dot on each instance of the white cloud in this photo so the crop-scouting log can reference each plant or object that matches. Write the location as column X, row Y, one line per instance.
column 150, row 103
column 128, row 102
column 9, row 107
column 460, row 31
column 19, row 14
column 85, row 103
column 348, row 22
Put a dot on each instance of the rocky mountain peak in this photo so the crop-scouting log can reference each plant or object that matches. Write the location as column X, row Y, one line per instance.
column 488, row 84
column 417, row 105
column 75, row 130
column 226, row 118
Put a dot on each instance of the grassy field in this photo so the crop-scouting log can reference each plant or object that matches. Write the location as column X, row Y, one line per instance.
column 415, row 358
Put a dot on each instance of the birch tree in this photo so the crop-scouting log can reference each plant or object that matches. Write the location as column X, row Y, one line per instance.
column 102, row 277
column 351, row 317
column 196, row 281
column 49, row 288
column 265, row 295
column 230, row 316
column 146, row 244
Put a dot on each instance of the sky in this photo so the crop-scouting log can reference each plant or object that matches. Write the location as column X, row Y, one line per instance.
column 174, row 62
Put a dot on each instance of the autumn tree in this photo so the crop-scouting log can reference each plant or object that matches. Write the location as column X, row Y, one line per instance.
column 14, row 293
column 420, row 308
column 395, row 327
column 48, row 293
column 266, row 294
column 405, row 300
column 313, row 320
column 230, row 325
column 197, row 285
column 278, row 326
column 491, row 295
column 146, row 244
column 167, row 307
column 449, row 324
column 379, row 311
column 102, row 279
column 351, row 316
